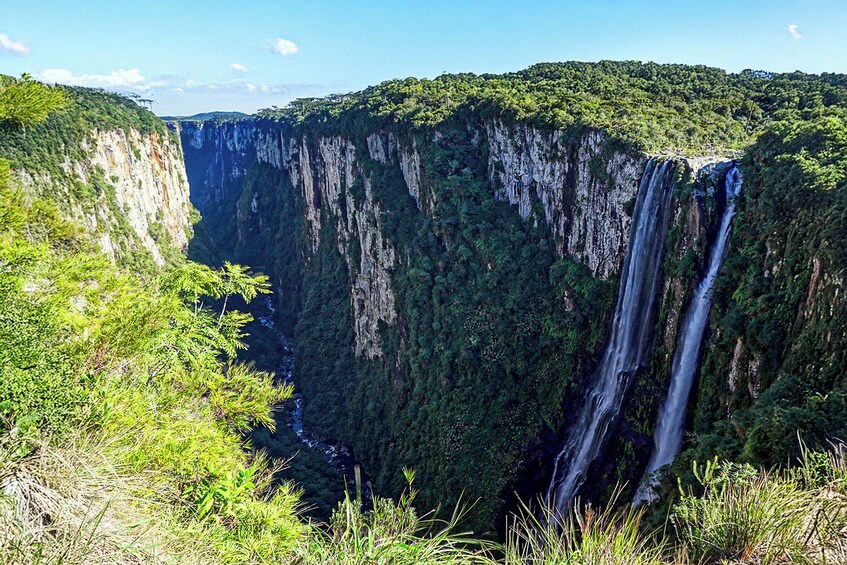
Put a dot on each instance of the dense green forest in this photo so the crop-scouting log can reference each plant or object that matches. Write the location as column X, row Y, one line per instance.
column 125, row 411
column 780, row 294
column 647, row 106
column 488, row 350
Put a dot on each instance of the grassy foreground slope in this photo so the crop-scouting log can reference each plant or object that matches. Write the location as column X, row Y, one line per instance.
column 121, row 405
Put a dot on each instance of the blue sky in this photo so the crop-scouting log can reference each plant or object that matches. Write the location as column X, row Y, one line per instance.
column 192, row 56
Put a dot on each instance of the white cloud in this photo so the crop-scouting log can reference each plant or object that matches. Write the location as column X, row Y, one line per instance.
column 120, row 79
column 282, row 46
column 238, row 86
column 194, row 94
column 16, row 47
column 234, row 87
column 237, row 67
column 792, row 29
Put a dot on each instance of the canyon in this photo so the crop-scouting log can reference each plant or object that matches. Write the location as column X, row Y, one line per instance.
column 491, row 292
column 342, row 224
column 577, row 195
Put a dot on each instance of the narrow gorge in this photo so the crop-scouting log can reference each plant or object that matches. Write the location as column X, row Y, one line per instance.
column 379, row 245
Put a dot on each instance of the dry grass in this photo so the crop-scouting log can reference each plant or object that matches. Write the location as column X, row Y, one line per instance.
column 69, row 505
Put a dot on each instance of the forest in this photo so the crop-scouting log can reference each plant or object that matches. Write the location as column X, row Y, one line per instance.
column 498, row 333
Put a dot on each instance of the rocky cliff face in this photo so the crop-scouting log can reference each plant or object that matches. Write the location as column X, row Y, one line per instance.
column 151, row 186
column 325, row 175
column 128, row 188
column 581, row 190
column 217, row 155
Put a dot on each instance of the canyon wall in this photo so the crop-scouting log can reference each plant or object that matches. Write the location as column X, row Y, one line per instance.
column 384, row 202
column 579, row 190
column 450, row 290
column 127, row 187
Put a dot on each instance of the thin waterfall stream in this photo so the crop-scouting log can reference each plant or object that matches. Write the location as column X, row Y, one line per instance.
column 626, row 351
column 667, row 438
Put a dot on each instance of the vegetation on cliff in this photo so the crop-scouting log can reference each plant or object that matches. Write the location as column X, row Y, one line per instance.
column 646, row 106
column 26, row 102
column 122, row 407
column 781, row 297
column 496, row 333
column 40, row 145
column 486, row 354
column 47, row 135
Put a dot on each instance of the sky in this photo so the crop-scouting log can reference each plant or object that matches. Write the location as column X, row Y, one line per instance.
column 195, row 56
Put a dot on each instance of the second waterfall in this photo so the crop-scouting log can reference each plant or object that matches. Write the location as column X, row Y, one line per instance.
column 626, row 351
column 667, row 437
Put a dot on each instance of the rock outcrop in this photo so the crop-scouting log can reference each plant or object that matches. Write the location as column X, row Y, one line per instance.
column 128, row 188
column 581, row 189
column 324, row 173
column 151, row 186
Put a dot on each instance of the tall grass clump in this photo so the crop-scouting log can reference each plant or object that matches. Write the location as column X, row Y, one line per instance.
column 744, row 515
column 392, row 534
column 584, row 536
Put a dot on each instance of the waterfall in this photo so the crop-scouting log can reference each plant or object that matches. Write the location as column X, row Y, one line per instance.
column 667, row 438
column 630, row 333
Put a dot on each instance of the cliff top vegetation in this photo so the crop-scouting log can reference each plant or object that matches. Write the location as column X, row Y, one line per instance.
column 647, row 106
column 40, row 124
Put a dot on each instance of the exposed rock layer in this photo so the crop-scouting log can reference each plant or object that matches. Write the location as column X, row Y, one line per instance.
column 147, row 191
column 580, row 189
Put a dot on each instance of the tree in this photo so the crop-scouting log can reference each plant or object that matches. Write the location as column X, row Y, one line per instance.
column 26, row 101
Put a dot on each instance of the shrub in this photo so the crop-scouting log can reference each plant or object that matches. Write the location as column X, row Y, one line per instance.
column 585, row 536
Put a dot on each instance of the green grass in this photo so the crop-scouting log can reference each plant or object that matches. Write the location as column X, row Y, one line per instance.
column 392, row 533
column 748, row 516
column 585, row 536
